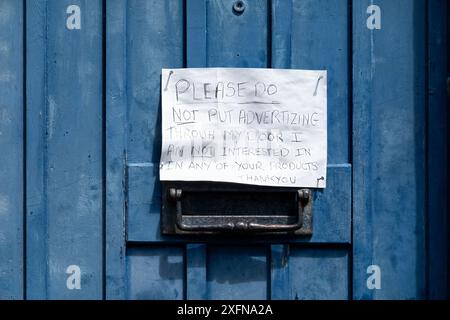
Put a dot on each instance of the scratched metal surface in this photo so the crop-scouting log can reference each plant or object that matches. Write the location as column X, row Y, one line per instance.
column 80, row 189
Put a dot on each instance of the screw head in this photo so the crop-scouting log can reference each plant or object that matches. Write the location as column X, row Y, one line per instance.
column 238, row 7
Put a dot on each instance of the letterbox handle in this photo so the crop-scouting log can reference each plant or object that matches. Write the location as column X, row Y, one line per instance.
column 303, row 198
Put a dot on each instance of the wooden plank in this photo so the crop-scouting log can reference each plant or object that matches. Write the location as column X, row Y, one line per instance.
column 318, row 273
column 279, row 272
column 388, row 150
column 133, row 127
column 237, row 40
column 155, row 273
column 36, row 236
column 237, row 272
column 196, row 285
column 302, row 273
column 116, row 126
column 437, row 150
column 68, row 179
column 11, row 146
column 196, row 32
column 281, row 26
column 149, row 23
column 332, row 207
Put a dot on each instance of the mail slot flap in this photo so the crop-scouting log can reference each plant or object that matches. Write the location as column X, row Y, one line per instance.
column 217, row 208
column 237, row 200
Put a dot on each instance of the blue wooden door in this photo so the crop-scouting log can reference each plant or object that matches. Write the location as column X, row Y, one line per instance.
column 80, row 140
column 376, row 155
column 147, row 36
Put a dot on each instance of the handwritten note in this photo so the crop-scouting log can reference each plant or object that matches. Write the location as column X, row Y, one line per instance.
column 252, row 126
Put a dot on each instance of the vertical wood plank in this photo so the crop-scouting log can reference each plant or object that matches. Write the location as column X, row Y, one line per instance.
column 116, row 117
column 280, row 280
column 147, row 23
column 237, row 272
column 388, row 150
column 237, row 40
column 155, row 272
column 318, row 273
column 196, row 52
column 437, row 150
column 36, row 162
column 281, row 26
column 196, row 286
column 65, row 121
column 11, row 146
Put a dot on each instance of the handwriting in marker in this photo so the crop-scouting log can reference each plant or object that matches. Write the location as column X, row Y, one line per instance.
column 317, row 85
column 168, row 78
column 319, row 179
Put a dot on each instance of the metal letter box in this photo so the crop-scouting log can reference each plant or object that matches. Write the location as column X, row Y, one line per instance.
column 221, row 208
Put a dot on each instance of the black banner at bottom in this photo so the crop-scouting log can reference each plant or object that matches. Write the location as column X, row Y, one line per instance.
column 233, row 309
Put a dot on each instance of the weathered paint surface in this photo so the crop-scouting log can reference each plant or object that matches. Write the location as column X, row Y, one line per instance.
column 64, row 149
column 389, row 151
column 80, row 195
column 11, row 146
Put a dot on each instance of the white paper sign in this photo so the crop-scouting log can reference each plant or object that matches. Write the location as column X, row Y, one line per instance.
column 252, row 126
